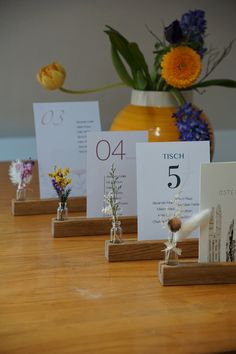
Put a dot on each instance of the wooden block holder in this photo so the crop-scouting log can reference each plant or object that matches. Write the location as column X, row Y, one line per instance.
column 46, row 206
column 83, row 226
column 133, row 250
column 194, row 273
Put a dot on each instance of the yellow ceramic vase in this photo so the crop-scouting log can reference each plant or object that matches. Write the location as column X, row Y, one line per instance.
column 152, row 111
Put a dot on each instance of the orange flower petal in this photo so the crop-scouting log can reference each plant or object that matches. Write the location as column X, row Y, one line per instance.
column 181, row 67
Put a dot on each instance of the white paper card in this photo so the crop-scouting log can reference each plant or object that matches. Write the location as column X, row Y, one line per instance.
column 163, row 170
column 218, row 191
column 61, row 138
column 104, row 149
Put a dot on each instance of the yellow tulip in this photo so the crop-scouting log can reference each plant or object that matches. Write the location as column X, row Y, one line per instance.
column 52, row 76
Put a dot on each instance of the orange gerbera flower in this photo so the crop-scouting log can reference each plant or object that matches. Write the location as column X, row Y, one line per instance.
column 181, row 67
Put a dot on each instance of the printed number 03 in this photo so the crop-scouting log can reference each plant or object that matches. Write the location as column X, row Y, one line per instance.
column 104, row 150
column 53, row 117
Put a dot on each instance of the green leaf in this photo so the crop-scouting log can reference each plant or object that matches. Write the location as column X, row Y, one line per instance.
column 178, row 96
column 132, row 56
column 216, row 82
column 122, row 46
column 110, row 29
column 159, row 56
column 138, row 57
column 120, row 68
column 159, row 84
column 154, row 75
column 140, row 81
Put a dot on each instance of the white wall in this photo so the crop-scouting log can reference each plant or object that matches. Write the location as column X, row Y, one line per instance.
column 36, row 32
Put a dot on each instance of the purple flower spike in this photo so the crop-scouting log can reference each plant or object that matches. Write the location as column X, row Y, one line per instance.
column 193, row 25
column 190, row 124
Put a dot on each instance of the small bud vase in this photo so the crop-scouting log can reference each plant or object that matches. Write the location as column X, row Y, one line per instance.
column 21, row 193
column 62, row 211
column 171, row 257
column 116, row 232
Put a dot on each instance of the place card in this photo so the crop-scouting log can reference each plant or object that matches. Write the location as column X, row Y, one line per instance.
column 218, row 191
column 105, row 149
column 61, row 139
column 168, row 182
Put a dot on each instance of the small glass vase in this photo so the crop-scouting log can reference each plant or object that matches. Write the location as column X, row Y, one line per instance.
column 62, row 211
column 116, row 232
column 171, row 257
column 21, row 193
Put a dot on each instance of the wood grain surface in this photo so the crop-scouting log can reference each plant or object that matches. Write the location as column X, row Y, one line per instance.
column 46, row 206
column 83, row 226
column 133, row 250
column 193, row 273
column 61, row 296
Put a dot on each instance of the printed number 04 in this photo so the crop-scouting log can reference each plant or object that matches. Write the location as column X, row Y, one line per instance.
column 104, row 150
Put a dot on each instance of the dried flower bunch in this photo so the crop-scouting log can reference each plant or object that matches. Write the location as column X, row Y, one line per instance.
column 112, row 205
column 179, row 231
column 61, row 182
column 20, row 172
column 172, row 222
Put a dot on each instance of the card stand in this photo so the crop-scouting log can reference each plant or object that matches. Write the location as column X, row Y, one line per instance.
column 194, row 273
column 46, row 206
column 83, row 226
column 133, row 250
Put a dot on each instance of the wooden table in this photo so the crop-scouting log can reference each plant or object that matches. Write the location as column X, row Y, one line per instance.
column 62, row 296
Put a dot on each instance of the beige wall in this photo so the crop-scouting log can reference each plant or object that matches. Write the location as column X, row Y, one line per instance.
column 36, row 32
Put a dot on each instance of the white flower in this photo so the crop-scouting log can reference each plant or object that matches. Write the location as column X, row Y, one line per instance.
column 15, row 172
column 107, row 210
column 112, row 205
column 20, row 172
column 200, row 219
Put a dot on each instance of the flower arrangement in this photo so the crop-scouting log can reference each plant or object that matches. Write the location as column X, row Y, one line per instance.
column 20, row 173
column 112, row 206
column 60, row 183
column 177, row 66
column 177, row 61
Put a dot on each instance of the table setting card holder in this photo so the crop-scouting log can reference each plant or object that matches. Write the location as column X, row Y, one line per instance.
column 217, row 252
column 83, row 226
column 194, row 273
column 151, row 159
column 45, row 206
column 134, row 250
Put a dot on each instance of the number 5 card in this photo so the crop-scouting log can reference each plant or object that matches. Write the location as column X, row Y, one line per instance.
column 168, row 181
column 105, row 149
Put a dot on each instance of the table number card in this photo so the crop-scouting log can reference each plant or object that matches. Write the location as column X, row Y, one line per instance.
column 218, row 191
column 165, row 171
column 104, row 149
column 61, row 137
